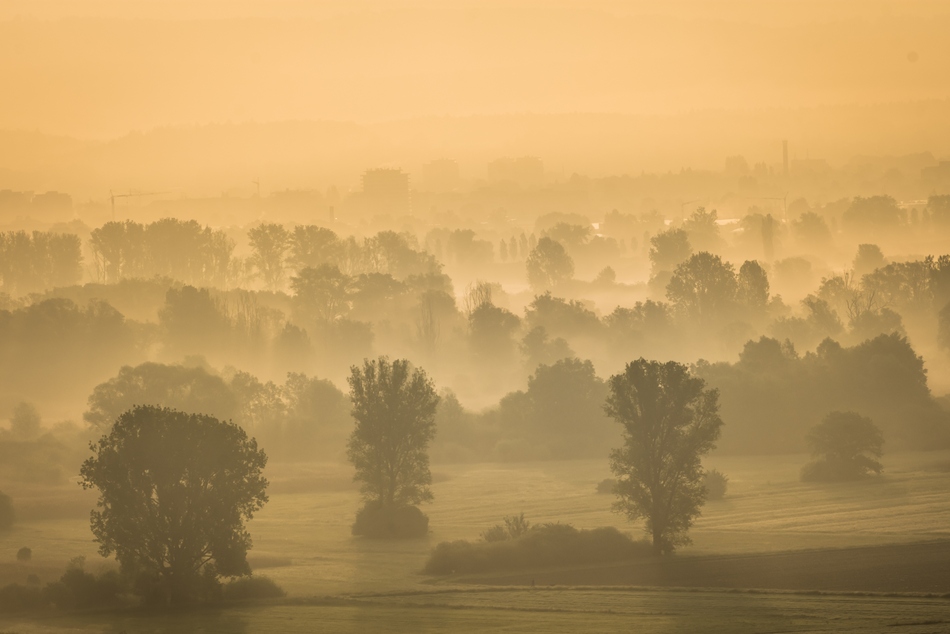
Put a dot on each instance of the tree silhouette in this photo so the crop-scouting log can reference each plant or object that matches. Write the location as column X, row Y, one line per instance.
column 669, row 422
column 394, row 406
column 548, row 264
column 845, row 446
column 174, row 492
column 753, row 281
column 180, row 387
column 269, row 243
column 668, row 249
column 703, row 287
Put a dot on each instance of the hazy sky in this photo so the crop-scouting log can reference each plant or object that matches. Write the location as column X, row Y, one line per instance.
column 99, row 69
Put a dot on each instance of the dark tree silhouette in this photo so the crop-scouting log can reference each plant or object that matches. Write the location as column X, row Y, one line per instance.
column 703, row 287
column 668, row 249
column 845, row 446
column 180, row 387
column 669, row 422
column 753, row 283
column 394, row 406
column 548, row 264
column 174, row 492
column 270, row 243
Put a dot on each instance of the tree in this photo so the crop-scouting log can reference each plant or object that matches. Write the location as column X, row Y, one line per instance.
column 180, row 387
column 269, row 243
column 668, row 249
column 394, row 406
column 844, row 446
column 703, row 287
column 669, row 422
column 703, row 229
column 753, row 290
column 548, row 264
column 25, row 422
column 174, row 492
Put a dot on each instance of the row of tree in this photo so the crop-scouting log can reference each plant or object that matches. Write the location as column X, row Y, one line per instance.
column 34, row 262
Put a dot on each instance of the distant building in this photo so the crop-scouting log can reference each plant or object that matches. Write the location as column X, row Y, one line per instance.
column 527, row 171
column 386, row 191
column 441, row 175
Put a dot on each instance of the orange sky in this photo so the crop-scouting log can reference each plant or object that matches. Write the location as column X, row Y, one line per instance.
column 99, row 69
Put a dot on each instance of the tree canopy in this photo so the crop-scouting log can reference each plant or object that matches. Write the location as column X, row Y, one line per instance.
column 394, row 406
column 174, row 492
column 845, row 446
column 669, row 422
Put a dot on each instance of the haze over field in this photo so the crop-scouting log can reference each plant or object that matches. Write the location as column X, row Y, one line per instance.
column 416, row 306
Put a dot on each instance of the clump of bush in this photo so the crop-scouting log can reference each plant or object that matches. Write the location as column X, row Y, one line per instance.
column 715, row 483
column 380, row 522
column 540, row 545
column 245, row 588
column 515, row 526
column 24, row 554
column 845, row 447
column 607, row 486
column 76, row 589
column 7, row 516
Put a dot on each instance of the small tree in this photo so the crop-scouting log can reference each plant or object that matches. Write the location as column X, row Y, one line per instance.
column 669, row 422
column 394, row 407
column 174, row 492
column 845, row 445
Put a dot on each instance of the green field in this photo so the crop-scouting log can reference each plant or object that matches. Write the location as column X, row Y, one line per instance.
column 302, row 541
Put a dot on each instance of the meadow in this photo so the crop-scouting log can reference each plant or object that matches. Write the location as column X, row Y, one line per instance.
column 302, row 541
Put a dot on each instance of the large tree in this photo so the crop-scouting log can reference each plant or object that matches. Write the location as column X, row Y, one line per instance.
column 669, row 422
column 174, row 492
column 394, row 407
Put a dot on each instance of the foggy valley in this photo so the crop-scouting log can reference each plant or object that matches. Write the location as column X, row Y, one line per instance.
column 444, row 317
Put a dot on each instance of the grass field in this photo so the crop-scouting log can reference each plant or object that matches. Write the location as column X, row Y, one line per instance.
column 302, row 541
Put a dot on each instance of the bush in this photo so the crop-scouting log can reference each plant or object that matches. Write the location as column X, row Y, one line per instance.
column 715, row 483
column 24, row 554
column 376, row 521
column 252, row 587
column 607, row 485
column 845, row 446
column 78, row 589
column 515, row 526
column 17, row 598
column 7, row 516
column 542, row 545
column 840, row 470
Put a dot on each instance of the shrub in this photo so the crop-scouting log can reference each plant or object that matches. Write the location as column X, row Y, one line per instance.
column 845, row 446
column 252, row 587
column 24, row 554
column 607, row 485
column 515, row 526
column 78, row 589
column 715, row 483
column 376, row 521
column 17, row 598
column 7, row 516
column 542, row 545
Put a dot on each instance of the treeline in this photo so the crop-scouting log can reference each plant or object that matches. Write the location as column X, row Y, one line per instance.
column 34, row 262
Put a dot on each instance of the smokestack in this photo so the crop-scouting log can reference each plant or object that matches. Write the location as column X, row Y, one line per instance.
column 785, row 158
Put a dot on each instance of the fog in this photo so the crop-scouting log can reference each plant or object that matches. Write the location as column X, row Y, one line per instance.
column 562, row 275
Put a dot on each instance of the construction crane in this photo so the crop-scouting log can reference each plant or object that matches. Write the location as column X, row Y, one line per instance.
column 113, row 196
